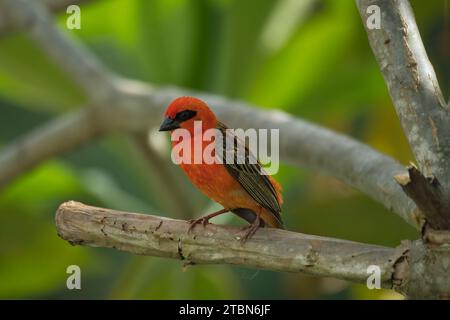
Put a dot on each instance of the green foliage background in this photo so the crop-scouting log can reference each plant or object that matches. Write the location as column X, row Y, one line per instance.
column 310, row 58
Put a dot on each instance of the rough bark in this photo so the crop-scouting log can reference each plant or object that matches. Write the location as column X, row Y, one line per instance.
column 412, row 84
column 425, row 118
column 270, row 249
column 429, row 196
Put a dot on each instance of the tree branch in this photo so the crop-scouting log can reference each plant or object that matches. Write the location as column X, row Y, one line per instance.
column 412, row 84
column 35, row 19
column 57, row 137
column 270, row 249
column 425, row 118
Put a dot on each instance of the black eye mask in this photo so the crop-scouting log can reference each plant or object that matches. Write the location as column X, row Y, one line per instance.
column 185, row 115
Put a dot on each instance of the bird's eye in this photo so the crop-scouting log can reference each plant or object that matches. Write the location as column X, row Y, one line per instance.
column 185, row 115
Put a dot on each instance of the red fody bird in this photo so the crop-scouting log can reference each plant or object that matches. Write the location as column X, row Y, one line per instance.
column 239, row 188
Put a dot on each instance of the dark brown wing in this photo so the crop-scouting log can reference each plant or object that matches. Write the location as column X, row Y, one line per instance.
column 248, row 174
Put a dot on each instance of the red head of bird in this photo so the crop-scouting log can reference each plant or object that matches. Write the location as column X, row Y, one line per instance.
column 184, row 111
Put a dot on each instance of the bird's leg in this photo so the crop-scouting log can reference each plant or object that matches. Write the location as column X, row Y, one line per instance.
column 205, row 219
column 251, row 229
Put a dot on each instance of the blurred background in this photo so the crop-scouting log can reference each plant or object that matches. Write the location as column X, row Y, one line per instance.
column 310, row 58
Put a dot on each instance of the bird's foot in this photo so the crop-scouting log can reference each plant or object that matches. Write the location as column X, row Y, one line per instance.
column 193, row 222
column 204, row 220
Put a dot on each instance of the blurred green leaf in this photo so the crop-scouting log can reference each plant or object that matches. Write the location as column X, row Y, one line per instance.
column 306, row 59
column 239, row 48
column 168, row 281
column 167, row 36
column 30, row 79
column 34, row 259
column 43, row 188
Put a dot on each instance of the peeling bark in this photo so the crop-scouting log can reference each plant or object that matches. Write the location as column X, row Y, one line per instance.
column 429, row 196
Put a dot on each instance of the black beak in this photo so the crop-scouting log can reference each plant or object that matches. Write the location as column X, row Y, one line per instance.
column 169, row 124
